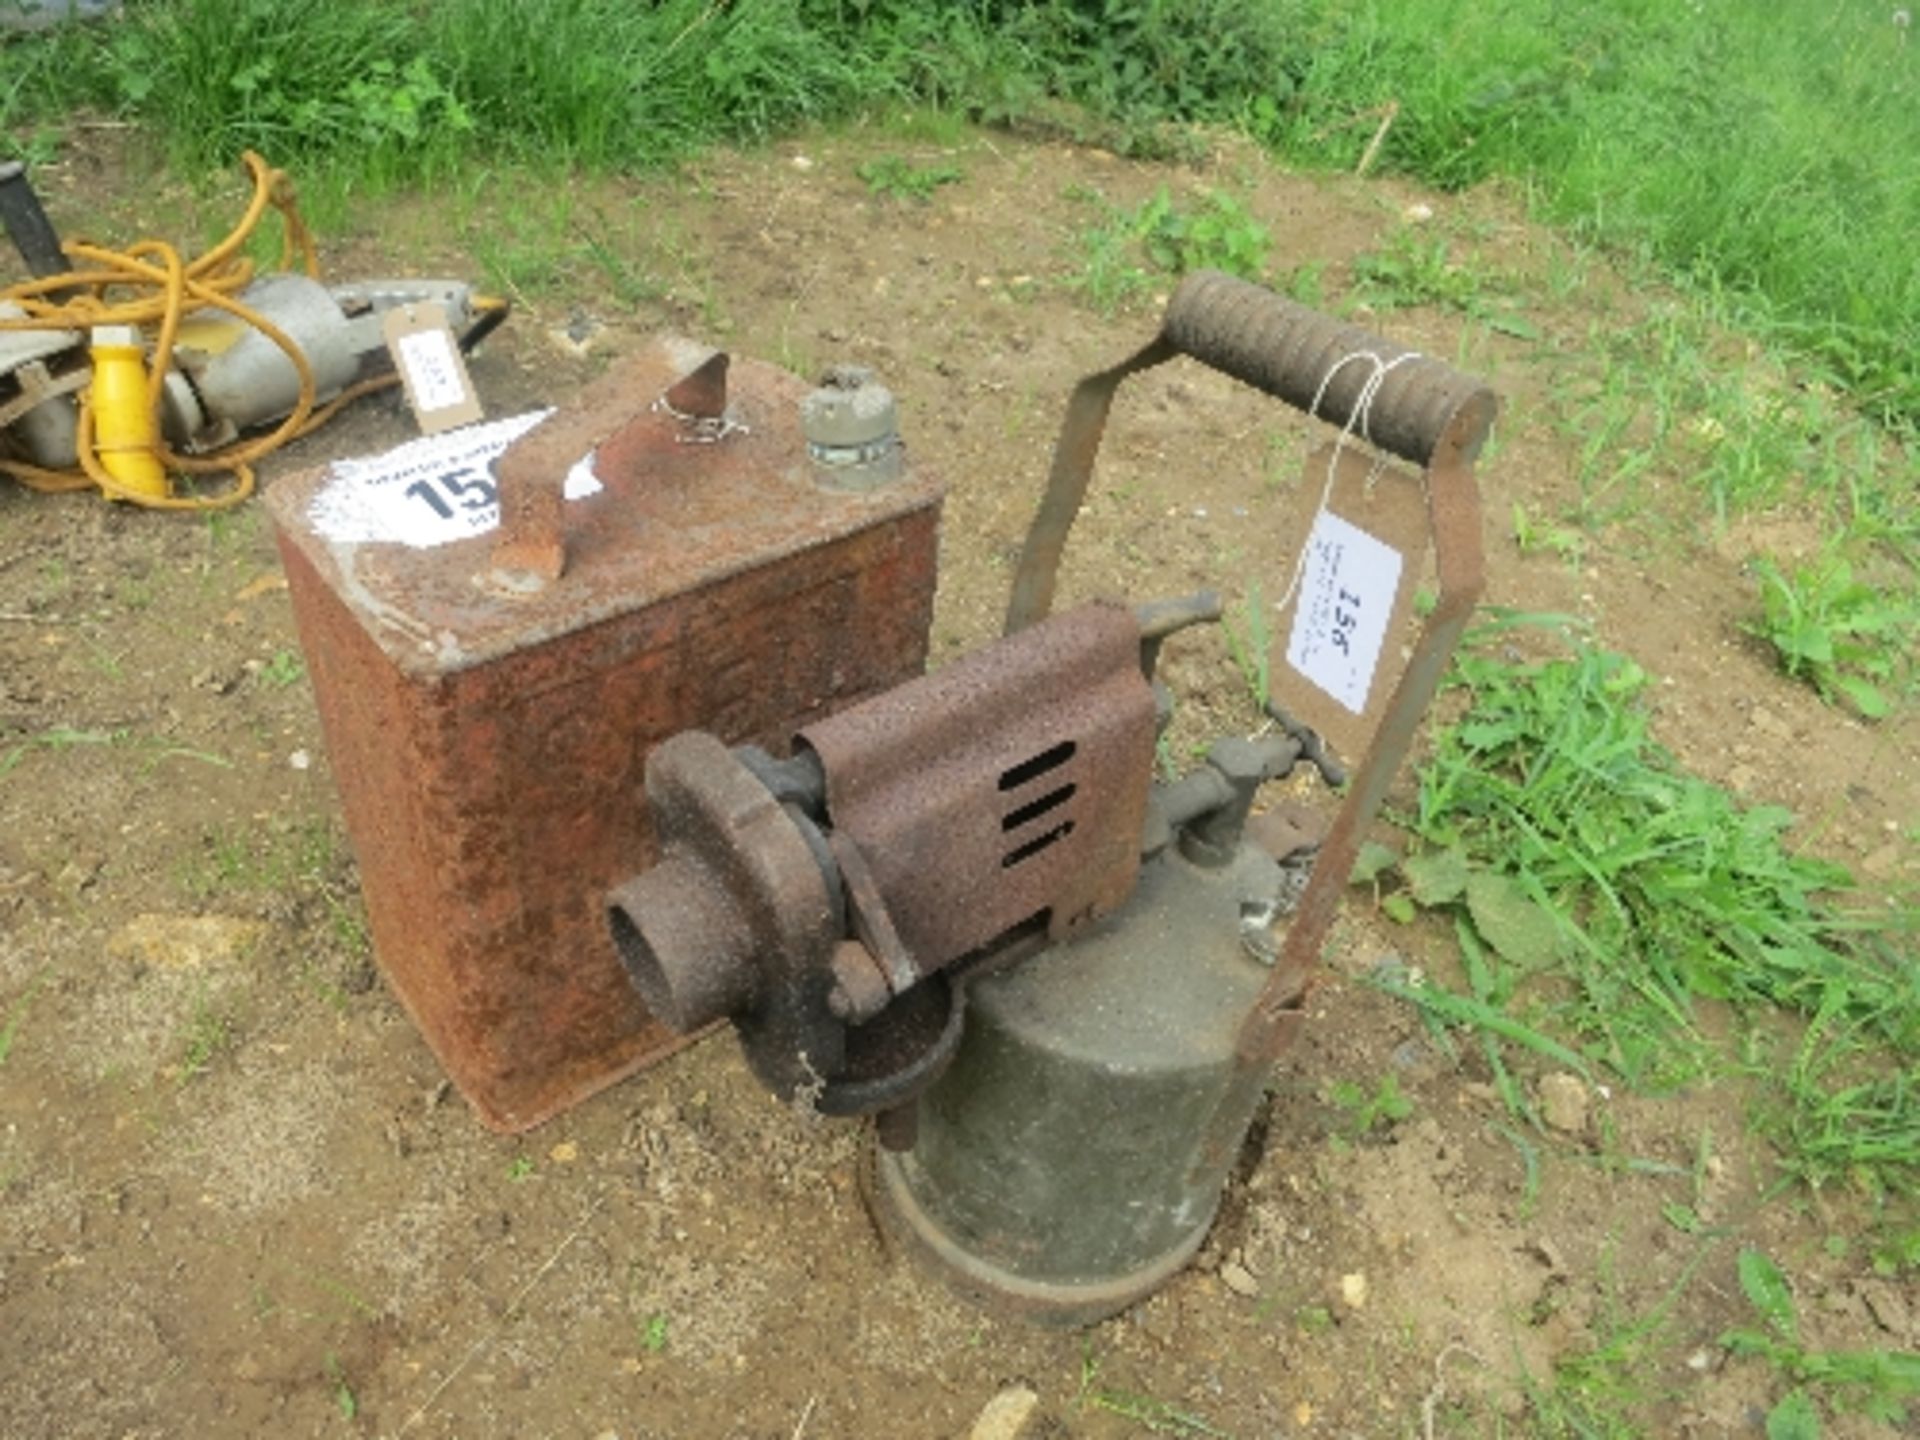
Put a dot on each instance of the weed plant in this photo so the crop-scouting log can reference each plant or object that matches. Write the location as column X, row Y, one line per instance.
column 1601, row 895
column 1414, row 268
column 1148, row 1412
column 1249, row 640
column 1874, row 1383
column 1130, row 252
column 1385, row 1106
column 1594, row 1388
column 896, row 178
column 16, row 1014
column 1838, row 632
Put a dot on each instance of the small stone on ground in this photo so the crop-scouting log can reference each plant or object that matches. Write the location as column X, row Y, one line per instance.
column 1237, row 1278
column 1006, row 1415
column 1563, row 1103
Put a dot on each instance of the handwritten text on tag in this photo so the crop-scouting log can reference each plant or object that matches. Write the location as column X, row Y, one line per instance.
column 1347, row 584
column 432, row 365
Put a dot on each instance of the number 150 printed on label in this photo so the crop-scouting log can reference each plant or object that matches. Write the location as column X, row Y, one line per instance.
column 1347, row 584
column 430, row 491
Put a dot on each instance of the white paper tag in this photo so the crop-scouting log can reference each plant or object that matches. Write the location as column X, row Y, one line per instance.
column 430, row 491
column 1347, row 584
column 432, row 365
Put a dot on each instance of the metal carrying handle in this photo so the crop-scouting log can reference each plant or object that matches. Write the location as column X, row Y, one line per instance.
column 530, row 550
column 1410, row 405
column 1418, row 408
column 1277, row 345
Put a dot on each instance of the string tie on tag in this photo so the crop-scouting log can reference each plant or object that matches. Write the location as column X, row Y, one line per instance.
column 1357, row 420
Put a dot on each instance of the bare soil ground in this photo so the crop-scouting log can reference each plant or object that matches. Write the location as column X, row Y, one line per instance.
column 237, row 1199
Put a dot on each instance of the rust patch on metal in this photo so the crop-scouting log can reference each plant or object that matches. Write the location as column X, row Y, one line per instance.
column 489, row 749
column 1003, row 795
column 531, row 541
column 703, row 394
column 1011, row 782
column 737, row 918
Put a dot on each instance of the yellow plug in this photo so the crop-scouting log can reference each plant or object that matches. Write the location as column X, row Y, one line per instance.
column 125, row 434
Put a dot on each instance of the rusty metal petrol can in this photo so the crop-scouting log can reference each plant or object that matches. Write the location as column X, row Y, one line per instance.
column 489, row 703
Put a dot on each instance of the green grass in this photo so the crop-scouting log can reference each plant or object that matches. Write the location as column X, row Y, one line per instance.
column 60, row 737
column 1602, row 896
column 1670, row 420
column 1149, row 1413
column 155, row 749
column 16, row 1014
column 406, row 92
column 284, row 856
column 303, row 860
column 209, row 1034
column 343, row 1397
column 1768, row 159
column 1768, row 155
column 1596, row 1387
column 1416, row 267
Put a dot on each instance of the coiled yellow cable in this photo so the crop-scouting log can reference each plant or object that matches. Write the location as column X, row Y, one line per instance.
column 166, row 290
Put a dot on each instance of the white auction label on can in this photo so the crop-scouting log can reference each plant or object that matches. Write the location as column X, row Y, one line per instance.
column 430, row 491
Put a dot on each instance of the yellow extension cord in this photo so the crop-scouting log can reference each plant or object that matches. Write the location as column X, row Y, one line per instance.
column 167, row 291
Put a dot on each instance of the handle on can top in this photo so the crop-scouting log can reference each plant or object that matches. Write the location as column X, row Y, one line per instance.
column 1408, row 404
column 530, row 550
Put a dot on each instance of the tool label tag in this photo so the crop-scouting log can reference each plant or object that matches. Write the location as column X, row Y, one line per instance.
column 431, row 368
column 430, row 491
column 1348, row 582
